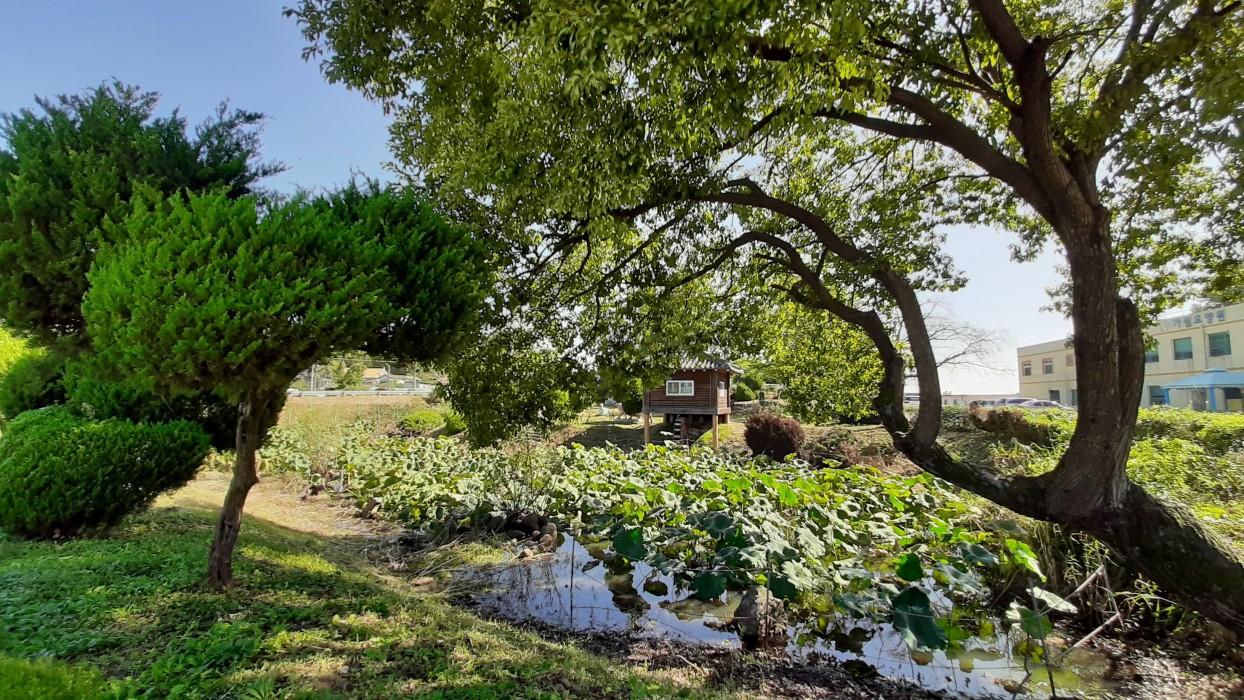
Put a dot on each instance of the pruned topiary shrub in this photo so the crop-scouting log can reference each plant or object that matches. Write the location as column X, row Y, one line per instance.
column 772, row 435
column 421, row 422
column 743, row 392
column 62, row 475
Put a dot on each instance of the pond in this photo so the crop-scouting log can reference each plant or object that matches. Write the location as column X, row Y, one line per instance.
column 585, row 588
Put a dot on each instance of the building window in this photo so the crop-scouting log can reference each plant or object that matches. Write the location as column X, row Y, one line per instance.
column 1071, row 359
column 1183, row 348
column 1047, row 366
column 1157, row 396
column 1026, row 368
column 1151, row 356
column 680, row 387
column 1219, row 344
column 1055, row 395
column 1075, row 397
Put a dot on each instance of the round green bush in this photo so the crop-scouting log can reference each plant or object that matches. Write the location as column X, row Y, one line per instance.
column 424, row 421
column 93, row 392
column 62, row 475
column 33, row 381
column 743, row 392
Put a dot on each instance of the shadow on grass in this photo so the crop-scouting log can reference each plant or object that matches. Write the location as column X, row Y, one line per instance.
column 299, row 623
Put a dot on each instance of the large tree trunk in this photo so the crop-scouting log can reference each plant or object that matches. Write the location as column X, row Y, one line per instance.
column 1089, row 489
column 254, row 417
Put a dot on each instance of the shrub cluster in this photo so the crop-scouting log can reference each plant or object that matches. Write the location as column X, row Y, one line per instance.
column 421, row 422
column 743, row 392
column 1013, row 424
column 1217, row 433
column 454, row 423
column 772, row 435
column 956, row 419
column 62, row 475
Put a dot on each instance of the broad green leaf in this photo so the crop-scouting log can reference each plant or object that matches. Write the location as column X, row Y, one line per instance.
column 978, row 555
column 1033, row 623
column 1022, row 554
column 709, row 585
column 909, row 568
column 782, row 587
column 629, row 542
column 914, row 619
column 1052, row 601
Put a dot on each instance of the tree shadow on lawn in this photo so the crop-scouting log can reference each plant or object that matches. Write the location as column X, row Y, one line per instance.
column 300, row 621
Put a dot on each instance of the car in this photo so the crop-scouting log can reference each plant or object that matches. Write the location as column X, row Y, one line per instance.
column 1043, row 404
column 1013, row 401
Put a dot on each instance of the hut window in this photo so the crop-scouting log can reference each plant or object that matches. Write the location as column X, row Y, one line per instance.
column 680, row 387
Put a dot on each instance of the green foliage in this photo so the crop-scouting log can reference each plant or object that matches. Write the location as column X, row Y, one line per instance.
column 12, row 349
column 750, row 380
column 33, row 381
column 424, row 421
column 190, row 301
column 955, row 419
column 502, row 385
column 47, row 680
column 829, row 368
column 347, row 375
column 61, row 475
column 772, row 435
column 1041, row 428
column 724, row 432
column 1185, row 471
column 73, row 166
column 743, row 392
column 1217, row 433
column 93, row 391
column 836, row 538
column 454, row 422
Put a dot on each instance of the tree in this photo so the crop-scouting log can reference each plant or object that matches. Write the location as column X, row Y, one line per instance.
column 829, row 368
column 506, row 383
column 74, row 165
column 210, row 295
column 833, row 142
column 347, row 373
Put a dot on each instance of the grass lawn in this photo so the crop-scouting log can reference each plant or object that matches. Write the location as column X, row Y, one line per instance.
column 312, row 616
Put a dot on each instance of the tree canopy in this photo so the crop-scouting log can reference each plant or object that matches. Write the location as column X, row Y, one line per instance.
column 73, row 164
column 828, row 146
column 238, row 296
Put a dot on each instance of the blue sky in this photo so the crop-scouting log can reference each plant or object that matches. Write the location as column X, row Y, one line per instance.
column 196, row 54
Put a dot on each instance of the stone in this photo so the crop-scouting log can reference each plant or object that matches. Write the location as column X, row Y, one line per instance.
column 548, row 529
column 548, row 543
column 526, row 554
column 761, row 619
column 527, row 522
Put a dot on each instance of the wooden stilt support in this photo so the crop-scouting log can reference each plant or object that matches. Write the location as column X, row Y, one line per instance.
column 647, row 427
column 685, row 433
column 716, row 437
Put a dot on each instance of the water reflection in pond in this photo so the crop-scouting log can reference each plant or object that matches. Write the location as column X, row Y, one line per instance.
column 585, row 588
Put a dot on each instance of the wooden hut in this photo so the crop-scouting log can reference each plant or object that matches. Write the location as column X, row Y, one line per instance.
column 697, row 392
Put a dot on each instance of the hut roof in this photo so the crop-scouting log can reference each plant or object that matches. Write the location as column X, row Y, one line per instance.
column 710, row 363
